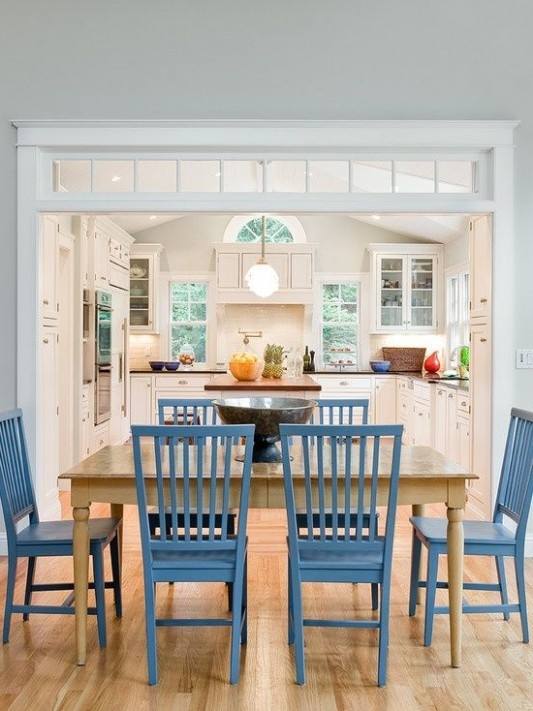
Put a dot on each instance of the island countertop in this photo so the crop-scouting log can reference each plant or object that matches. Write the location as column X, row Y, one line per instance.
column 228, row 382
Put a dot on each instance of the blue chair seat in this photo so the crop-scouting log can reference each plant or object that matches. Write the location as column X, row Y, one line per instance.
column 225, row 559
column 335, row 559
column 101, row 530
column 475, row 532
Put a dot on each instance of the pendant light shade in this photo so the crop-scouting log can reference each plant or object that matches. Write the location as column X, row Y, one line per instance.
column 262, row 279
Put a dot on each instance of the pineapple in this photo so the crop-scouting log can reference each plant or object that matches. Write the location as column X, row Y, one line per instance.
column 268, row 355
column 277, row 362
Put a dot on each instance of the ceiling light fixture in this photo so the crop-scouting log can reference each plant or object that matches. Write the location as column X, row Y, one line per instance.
column 153, row 217
column 376, row 217
column 261, row 278
column 115, row 178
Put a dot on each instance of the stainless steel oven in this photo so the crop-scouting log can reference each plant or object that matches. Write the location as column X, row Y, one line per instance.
column 102, row 333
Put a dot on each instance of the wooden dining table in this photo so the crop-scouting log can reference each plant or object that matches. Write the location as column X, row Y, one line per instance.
column 426, row 477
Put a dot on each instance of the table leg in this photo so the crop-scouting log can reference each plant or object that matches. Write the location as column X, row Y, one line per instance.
column 455, row 581
column 419, row 510
column 117, row 511
column 81, row 578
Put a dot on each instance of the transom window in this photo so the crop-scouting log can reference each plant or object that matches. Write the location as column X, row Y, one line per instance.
column 339, row 323
column 188, row 318
column 276, row 231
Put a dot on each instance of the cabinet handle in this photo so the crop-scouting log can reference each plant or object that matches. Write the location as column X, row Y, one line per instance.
column 483, row 301
column 148, row 385
column 45, row 340
column 483, row 340
column 439, row 393
column 463, row 404
column 45, row 302
column 182, row 382
column 450, row 396
column 344, row 382
column 420, row 414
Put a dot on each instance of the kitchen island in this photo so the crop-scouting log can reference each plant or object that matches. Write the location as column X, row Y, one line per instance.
column 302, row 386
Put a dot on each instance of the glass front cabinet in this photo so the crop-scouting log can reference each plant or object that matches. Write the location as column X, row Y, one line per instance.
column 144, row 277
column 405, row 288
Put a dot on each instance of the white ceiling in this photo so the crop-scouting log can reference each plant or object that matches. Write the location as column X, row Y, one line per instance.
column 433, row 228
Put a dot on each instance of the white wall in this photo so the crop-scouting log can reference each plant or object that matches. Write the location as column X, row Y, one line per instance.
column 456, row 252
column 303, row 59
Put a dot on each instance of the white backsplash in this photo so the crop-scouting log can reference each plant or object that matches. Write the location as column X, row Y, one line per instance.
column 143, row 348
column 280, row 323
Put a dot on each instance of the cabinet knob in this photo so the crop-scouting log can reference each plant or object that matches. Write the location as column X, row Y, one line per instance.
column 450, row 396
column 463, row 404
column 182, row 382
column 344, row 382
column 45, row 302
column 483, row 340
column 483, row 301
column 45, row 340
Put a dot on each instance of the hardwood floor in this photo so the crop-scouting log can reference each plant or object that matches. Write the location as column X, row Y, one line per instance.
column 37, row 667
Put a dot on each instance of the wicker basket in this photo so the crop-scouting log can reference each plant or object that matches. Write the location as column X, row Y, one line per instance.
column 405, row 360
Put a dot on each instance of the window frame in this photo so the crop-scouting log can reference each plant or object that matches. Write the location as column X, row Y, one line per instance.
column 459, row 327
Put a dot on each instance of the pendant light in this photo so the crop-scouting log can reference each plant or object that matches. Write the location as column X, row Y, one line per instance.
column 262, row 279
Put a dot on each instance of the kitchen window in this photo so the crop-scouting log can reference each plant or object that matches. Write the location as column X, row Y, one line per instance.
column 457, row 314
column 339, row 322
column 188, row 318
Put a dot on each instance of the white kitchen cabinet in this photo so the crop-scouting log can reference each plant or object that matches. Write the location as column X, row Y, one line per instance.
column 481, row 407
column 228, row 270
column 359, row 387
column 144, row 288
column 406, row 288
column 49, row 416
column 101, row 259
column 301, row 270
column 421, row 424
column 462, row 427
column 385, row 400
column 101, row 437
column 480, row 258
column 404, row 407
column 451, row 429
column 439, row 418
column 85, row 433
column 48, row 267
column 119, row 371
column 141, row 400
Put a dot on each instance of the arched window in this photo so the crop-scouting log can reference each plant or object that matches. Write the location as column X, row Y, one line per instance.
column 246, row 229
column 276, row 232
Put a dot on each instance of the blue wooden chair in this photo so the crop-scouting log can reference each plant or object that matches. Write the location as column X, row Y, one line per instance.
column 46, row 538
column 192, row 470
column 341, row 554
column 486, row 538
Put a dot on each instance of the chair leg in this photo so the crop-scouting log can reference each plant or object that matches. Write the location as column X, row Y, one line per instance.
column 298, row 626
column 244, row 628
column 416, row 551
column 290, row 613
column 236, row 618
column 99, row 591
column 30, row 576
column 521, row 587
column 115, row 568
column 431, row 589
column 10, row 592
column 149, row 615
column 500, row 567
column 375, row 595
column 383, row 654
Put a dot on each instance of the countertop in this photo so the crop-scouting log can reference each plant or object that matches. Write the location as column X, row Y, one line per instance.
column 179, row 371
column 228, row 382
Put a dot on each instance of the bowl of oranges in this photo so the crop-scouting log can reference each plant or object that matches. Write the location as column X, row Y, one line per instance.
column 245, row 366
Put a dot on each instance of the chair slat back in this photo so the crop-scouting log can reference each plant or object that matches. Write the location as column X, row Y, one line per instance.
column 341, row 467
column 186, row 411
column 515, row 489
column 338, row 411
column 16, row 488
column 193, row 466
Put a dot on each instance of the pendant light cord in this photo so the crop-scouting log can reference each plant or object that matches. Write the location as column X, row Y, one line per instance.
column 263, row 235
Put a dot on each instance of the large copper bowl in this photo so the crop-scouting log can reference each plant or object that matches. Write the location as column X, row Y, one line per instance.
column 266, row 413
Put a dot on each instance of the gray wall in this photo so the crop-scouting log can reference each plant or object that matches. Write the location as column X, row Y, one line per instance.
column 341, row 240
column 275, row 59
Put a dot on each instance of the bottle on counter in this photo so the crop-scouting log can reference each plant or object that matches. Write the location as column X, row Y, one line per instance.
column 306, row 360
column 298, row 363
column 312, row 363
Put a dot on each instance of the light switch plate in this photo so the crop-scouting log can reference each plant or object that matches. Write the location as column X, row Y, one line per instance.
column 524, row 358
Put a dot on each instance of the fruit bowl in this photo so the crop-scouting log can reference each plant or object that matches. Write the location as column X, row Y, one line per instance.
column 245, row 370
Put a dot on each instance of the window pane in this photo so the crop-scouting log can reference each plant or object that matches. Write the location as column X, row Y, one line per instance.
column 188, row 333
column 180, row 311
column 328, row 176
column 340, row 323
column 72, row 176
column 243, row 176
column 200, row 176
column 415, row 176
column 286, row 176
column 112, row 176
column 349, row 292
column 372, row 176
column 156, row 176
column 275, row 231
column 197, row 291
column 198, row 312
column 455, row 176
column 179, row 290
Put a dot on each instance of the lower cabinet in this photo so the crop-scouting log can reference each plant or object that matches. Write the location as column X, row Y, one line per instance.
column 85, row 433
column 385, row 400
column 422, row 424
column 141, row 400
column 49, row 417
column 101, row 436
column 439, row 419
column 463, row 441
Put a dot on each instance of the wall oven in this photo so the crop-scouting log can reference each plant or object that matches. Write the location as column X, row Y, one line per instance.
column 102, row 332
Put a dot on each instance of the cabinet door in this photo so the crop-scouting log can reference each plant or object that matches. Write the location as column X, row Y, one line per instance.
column 141, row 400
column 49, row 414
column 119, row 372
column 385, row 401
column 229, row 270
column 463, row 442
column 451, row 428
column 439, row 423
column 391, row 289
column 422, row 424
column 85, row 434
column 101, row 259
column 480, row 418
column 480, row 255
column 48, row 267
column 301, row 271
column 421, row 290
column 141, row 294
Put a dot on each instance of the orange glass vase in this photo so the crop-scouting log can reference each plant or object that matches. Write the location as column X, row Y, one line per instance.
column 432, row 363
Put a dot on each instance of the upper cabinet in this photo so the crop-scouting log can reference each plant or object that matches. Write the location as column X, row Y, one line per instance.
column 406, row 288
column 144, row 287
column 101, row 254
column 294, row 264
column 480, row 258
